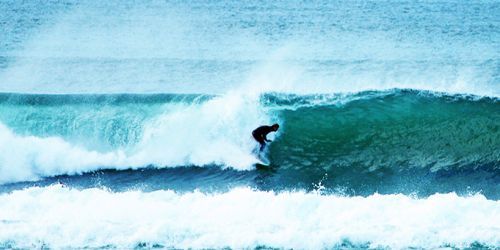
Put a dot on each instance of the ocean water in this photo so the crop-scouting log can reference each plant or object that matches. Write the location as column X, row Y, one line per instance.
column 127, row 124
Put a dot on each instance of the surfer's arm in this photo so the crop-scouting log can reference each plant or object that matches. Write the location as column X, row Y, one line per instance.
column 265, row 138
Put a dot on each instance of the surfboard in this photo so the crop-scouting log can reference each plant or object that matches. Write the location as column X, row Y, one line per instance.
column 261, row 166
column 262, row 162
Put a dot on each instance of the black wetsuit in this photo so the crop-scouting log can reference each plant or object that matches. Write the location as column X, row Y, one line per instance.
column 260, row 134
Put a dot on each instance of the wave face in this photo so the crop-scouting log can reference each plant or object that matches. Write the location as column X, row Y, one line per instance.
column 102, row 122
column 393, row 140
column 390, row 141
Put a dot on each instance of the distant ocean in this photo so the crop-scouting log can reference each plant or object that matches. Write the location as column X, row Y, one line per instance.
column 127, row 124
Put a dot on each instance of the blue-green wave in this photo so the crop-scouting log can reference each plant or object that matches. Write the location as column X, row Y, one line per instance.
column 376, row 141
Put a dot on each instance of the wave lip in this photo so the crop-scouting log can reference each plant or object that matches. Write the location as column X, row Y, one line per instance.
column 243, row 218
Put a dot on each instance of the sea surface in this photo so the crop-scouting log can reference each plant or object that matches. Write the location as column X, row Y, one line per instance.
column 127, row 124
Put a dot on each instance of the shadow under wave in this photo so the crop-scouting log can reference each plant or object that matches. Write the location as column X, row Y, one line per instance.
column 214, row 179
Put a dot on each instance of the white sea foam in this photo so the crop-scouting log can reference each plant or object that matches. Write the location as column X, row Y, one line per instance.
column 215, row 132
column 29, row 157
column 218, row 131
column 57, row 216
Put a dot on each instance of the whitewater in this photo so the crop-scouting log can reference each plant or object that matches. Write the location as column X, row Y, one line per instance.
column 244, row 218
column 128, row 125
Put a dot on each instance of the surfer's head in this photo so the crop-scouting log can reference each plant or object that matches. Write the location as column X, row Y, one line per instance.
column 275, row 127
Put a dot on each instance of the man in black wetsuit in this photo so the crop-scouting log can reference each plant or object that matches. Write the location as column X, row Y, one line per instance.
column 261, row 132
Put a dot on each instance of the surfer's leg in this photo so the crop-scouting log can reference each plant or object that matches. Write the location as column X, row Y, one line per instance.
column 260, row 140
column 262, row 145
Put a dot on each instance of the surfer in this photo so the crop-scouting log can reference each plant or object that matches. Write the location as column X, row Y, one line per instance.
column 261, row 132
